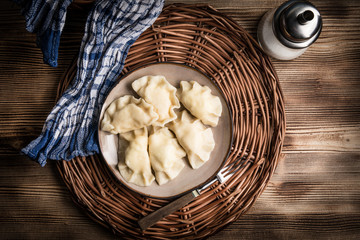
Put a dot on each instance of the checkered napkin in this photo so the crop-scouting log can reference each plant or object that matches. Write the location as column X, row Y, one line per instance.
column 47, row 19
column 111, row 28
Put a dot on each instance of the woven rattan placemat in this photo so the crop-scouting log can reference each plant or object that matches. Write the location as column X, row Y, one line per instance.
column 201, row 37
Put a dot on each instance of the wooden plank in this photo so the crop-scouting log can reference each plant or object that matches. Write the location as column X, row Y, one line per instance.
column 301, row 184
column 309, row 192
column 309, row 226
column 315, row 191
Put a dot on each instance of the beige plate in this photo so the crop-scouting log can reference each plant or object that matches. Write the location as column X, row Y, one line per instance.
column 188, row 178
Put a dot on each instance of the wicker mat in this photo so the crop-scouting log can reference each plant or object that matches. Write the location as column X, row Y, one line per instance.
column 201, row 37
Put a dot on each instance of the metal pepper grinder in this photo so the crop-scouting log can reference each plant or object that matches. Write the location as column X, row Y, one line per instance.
column 287, row 31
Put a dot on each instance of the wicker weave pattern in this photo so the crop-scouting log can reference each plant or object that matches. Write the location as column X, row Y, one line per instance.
column 203, row 38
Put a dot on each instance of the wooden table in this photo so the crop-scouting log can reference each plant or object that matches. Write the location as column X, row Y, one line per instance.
column 315, row 192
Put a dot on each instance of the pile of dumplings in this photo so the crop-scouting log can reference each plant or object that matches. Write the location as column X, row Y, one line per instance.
column 156, row 133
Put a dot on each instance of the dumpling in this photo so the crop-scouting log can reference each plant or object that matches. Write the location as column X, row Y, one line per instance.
column 157, row 91
column 126, row 114
column 165, row 155
column 200, row 102
column 134, row 162
column 194, row 137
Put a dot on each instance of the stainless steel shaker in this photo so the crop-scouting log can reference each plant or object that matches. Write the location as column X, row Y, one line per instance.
column 287, row 31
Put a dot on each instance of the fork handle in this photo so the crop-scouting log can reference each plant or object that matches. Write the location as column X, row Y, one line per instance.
column 159, row 214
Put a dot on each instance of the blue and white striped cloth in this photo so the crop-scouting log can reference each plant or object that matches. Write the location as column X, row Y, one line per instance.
column 47, row 20
column 111, row 28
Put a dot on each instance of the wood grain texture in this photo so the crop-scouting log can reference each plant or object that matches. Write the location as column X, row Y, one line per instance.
column 315, row 191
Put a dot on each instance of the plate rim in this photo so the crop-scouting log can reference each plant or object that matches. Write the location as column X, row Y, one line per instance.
column 203, row 182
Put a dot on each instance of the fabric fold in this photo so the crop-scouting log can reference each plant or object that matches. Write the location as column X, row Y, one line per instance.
column 111, row 28
column 46, row 18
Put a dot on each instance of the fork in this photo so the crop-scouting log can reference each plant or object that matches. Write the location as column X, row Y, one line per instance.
column 222, row 176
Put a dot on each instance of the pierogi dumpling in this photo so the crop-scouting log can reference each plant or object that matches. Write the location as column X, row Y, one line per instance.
column 200, row 102
column 134, row 161
column 126, row 114
column 157, row 91
column 194, row 137
column 165, row 155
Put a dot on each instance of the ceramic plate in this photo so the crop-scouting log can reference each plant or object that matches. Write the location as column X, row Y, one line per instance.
column 188, row 178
